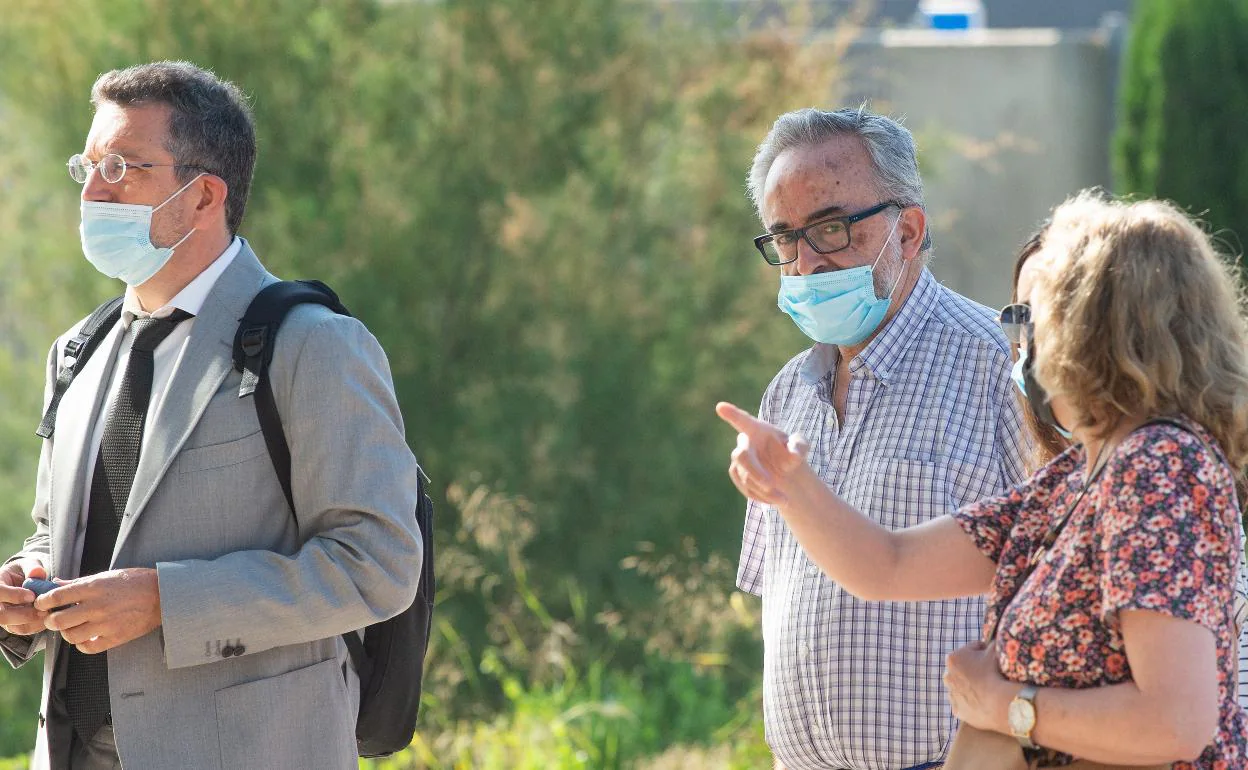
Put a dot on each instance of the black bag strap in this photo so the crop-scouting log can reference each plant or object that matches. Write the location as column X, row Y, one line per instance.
column 77, row 351
column 253, row 352
column 355, row 648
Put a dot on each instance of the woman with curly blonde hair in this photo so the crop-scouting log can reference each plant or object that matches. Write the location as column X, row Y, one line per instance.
column 1110, row 572
column 1047, row 443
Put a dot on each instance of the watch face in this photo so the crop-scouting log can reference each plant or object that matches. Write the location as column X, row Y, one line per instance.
column 1022, row 716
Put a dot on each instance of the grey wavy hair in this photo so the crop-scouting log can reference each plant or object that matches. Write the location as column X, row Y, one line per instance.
column 894, row 157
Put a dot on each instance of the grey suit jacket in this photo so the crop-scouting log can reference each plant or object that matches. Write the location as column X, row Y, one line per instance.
column 246, row 670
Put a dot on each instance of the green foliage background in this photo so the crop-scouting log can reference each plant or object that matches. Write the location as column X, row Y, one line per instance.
column 538, row 208
column 1183, row 98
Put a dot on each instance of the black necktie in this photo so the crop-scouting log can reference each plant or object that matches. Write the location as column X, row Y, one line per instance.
column 86, row 693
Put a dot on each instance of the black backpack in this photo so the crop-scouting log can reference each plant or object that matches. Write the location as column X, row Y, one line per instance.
column 390, row 659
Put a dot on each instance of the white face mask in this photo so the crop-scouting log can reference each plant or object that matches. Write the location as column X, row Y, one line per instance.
column 117, row 239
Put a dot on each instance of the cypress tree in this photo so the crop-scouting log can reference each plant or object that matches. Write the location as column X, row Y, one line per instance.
column 1184, row 110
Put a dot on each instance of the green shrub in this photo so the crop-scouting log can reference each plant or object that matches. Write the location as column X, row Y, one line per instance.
column 1184, row 99
column 15, row 763
column 604, row 720
column 539, row 209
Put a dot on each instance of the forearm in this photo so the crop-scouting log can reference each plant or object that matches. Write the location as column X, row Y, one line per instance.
column 851, row 548
column 930, row 561
column 934, row 560
column 335, row 583
column 1117, row 724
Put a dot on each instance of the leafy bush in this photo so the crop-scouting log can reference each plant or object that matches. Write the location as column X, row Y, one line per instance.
column 676, row 703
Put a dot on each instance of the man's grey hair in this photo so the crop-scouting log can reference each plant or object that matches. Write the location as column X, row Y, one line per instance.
column 210, row 123
column 894, row 157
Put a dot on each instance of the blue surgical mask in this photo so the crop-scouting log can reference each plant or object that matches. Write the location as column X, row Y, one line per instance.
column 117, row 239
column 1017, row 371
column 1024, row 377
column 839, row 307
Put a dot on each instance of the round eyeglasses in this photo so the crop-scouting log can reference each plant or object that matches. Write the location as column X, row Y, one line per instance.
column 1016, row 322
column 112, row 167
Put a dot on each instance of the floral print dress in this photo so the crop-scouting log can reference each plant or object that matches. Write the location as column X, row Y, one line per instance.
column 1157, row 530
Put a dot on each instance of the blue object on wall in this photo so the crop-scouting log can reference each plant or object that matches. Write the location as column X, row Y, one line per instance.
column 950, row 20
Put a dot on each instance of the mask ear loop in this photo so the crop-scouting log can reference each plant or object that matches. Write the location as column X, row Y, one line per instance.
column 181, row 190
column 182, row 240
column 171, row 197
column 880, row 256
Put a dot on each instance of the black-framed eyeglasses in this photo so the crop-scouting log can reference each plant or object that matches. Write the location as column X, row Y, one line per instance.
column 112, row 167
column 826, row 236
column 1015, row 320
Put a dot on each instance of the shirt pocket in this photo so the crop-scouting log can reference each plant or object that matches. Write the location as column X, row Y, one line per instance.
column 900, row 493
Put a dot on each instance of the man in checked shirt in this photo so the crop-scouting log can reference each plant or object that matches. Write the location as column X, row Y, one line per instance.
column 907, row 403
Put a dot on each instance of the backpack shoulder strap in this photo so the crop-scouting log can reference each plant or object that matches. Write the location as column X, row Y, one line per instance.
column 77, row 351
column 253, row 352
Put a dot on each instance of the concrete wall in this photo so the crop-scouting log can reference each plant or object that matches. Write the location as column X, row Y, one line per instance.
column 1009, row 123
column 1061, row 14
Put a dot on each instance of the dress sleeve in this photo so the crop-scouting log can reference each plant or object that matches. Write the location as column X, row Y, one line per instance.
column 1169, row 538
column 1016, row 518
column 989, row 521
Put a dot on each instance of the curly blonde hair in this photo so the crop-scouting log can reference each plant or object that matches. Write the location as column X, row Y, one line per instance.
column 1140, row 315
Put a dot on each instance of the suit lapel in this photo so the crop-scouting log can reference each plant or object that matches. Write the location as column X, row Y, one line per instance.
column 205, row 364
column 71, row 444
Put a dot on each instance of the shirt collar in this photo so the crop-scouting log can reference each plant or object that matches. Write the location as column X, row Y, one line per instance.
column 882, row 354
column 191, row 298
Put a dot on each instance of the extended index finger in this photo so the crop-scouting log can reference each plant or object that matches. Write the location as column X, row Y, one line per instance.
column 740, row 419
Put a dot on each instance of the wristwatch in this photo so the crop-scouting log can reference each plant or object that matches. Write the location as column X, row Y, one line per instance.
column 1022, row 715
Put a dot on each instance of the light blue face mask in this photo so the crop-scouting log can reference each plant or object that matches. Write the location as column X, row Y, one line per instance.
column 1019, row 373
column 839, row 307
column 117, row 239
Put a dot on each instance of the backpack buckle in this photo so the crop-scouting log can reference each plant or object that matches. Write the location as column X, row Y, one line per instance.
column 253, row 340
column 73, row 347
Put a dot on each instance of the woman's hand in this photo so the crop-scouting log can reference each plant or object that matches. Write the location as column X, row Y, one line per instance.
column 767, row 461
column 980, row 696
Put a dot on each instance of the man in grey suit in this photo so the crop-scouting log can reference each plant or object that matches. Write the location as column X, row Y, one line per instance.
column 197, row 623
